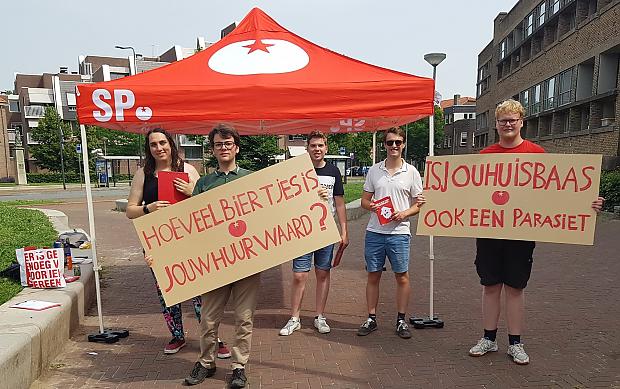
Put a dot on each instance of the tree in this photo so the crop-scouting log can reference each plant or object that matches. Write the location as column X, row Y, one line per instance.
column 417, row 137
column 256, row 151
column 47, row 151
column 47, row 134
column 119, row 142
column 358, row 143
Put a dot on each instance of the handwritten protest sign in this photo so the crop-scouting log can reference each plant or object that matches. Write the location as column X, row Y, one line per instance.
column 236, row 230
column 540, row 197
column 43, row 267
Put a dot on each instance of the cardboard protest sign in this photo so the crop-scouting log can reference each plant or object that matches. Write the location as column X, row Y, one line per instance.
column 539, row 197
column 43, row 267
column 237, row 229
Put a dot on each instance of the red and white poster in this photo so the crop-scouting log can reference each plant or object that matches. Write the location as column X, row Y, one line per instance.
column 385, row 209
column 43, row 267
column 539, row 197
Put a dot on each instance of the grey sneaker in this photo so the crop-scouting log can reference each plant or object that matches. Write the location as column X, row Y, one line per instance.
column 484, row 346
column 518, row 354
column 320, row 323
column 291, row 326
column 368, row 327
column 402, row 330
column 238, row 379
column 199, row 373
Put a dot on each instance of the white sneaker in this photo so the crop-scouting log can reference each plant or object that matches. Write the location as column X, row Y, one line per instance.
column 518, row 354
column 320, row 323
column 483, row 346
column 291, row 326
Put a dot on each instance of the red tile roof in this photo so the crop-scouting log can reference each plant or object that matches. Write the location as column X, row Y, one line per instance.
column 462, row 101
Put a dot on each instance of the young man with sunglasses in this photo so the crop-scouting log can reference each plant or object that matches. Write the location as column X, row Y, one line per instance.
column 395, row 178
column 502, row 263
column 224, row 141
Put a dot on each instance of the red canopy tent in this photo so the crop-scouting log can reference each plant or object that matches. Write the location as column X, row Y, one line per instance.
column 262, row 79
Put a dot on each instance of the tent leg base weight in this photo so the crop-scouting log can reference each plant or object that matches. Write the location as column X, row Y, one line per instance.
column 421, row 323
column 108, row 336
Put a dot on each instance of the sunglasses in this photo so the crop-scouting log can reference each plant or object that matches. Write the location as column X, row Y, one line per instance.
column 393, row 142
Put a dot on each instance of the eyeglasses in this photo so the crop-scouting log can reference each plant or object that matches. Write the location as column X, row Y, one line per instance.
column 503, row 122
column 223, row 145
column 394, row 142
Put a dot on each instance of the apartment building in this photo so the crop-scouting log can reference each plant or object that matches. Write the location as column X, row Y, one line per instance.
column 560, row 59
column 33, row 93
column 460, row 124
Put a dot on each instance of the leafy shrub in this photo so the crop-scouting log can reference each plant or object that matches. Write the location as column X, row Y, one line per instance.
column 610, row 188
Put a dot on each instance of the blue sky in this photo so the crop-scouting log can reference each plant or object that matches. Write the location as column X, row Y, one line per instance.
column 41, row 36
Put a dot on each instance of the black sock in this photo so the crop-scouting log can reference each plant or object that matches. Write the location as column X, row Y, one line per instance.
column 400, row 316
column 514, row 339
column 490, row 334
column 372, row 316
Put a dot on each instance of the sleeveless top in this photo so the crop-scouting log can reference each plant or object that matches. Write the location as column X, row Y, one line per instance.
column 149, row 189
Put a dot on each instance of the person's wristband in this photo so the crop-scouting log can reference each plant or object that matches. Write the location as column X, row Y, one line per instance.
column 145, row 209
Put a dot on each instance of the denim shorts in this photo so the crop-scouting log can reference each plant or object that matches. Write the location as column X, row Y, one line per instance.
column 322, row 260
column 394, row 246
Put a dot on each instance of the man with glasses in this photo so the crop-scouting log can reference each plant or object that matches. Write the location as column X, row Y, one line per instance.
column 395, row 178
column 502, row 263
column 224, row 141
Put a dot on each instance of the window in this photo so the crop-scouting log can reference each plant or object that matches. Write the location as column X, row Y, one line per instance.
column 481, row 120
column 296, row 137
column 449, row 139
column 550, row 94
column 541, row 13
column 529, row 25
column 13, row 106
column 502, row 49
column 524, row 99
column 564, row 87
column 193, row 152
column 555, row 6
column 535, row 108
column 72, row 108
column 463, row 142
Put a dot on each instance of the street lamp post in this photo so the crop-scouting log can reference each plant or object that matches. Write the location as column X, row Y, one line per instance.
column 135, row 71
column 433, row 59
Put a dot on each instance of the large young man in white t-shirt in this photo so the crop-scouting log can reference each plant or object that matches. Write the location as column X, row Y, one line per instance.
column 400, row 181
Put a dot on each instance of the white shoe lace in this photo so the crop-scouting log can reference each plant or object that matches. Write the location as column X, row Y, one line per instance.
column 368, row 322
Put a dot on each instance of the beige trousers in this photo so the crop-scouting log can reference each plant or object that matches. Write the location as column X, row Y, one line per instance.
column 244, row 295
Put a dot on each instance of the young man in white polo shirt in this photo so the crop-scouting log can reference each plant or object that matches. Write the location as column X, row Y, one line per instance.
column 400, row 181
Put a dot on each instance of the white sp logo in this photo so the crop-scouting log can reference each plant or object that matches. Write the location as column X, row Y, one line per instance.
column 124, row 99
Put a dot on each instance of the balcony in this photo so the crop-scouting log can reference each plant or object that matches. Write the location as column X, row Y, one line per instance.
column 34, row 111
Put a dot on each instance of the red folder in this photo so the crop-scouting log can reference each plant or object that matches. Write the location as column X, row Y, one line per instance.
column 165, row 187
column 385, row 210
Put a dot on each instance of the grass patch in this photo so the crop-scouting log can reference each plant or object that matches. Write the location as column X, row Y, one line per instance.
column 353, row 191
column 8, row 289
column 20, row 228
column 23, row 203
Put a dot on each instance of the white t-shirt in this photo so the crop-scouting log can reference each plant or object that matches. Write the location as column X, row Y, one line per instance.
column 403, row 187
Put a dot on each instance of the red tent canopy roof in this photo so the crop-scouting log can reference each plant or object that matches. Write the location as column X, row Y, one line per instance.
column 262, row 79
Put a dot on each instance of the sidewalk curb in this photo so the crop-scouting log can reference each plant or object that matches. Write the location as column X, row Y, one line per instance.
column 30, row 340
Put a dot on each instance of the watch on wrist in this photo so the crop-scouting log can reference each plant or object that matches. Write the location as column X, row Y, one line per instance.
column 145, row 209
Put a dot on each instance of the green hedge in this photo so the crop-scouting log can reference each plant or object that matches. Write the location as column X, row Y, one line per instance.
column 610, row 188
column 56, row 178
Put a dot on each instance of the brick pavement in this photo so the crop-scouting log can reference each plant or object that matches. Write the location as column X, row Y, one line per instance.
column 572, row 334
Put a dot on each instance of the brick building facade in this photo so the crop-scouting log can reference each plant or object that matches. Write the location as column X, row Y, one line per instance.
column 560, row 59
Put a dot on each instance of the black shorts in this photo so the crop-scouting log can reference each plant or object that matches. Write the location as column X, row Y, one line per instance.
column 502, row 261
